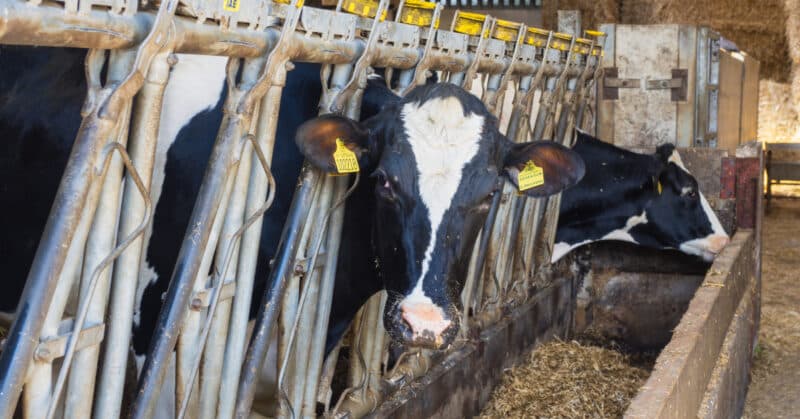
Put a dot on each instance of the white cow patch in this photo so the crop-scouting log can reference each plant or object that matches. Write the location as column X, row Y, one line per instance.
column 562, row 248
column 622, row 234
column 716, row 226
column 443, row 141
column 676, row 158
column 194, row 86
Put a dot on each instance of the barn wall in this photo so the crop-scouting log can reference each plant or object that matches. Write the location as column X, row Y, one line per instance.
column 769, row 30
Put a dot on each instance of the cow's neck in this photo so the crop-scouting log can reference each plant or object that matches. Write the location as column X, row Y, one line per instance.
column 610, row 201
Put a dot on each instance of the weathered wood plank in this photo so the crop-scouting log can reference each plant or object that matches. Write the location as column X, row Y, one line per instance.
column 727, row 390
column 731, row 77
column 682, row 371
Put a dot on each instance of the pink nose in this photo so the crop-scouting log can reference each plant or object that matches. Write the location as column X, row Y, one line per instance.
column 717, row 242
column 427, row 321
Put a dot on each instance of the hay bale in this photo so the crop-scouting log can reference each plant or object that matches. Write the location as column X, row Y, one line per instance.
column 570, row 379
column 777, row 118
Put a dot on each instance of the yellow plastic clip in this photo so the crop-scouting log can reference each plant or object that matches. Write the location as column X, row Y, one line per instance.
column 469, row 23
column 506, row 30
column 561, row 41
column 363, row 8
column 537, row 37
column 299, row 2
column 596, row 34
column 418, row 13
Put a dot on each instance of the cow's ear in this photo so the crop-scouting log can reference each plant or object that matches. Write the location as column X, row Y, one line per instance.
column 664, row 152
column 543, row 168
column 334, row 144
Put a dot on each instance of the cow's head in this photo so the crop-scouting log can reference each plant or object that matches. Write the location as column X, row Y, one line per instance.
column 647, row 199
column 435, row 159
column 679, row 216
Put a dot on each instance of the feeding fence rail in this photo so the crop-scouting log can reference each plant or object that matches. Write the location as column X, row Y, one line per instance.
column 71, row 362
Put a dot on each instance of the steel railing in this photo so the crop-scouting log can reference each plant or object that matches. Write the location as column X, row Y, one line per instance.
column 536, row 82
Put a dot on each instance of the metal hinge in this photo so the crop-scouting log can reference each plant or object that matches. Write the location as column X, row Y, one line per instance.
column 612, row 83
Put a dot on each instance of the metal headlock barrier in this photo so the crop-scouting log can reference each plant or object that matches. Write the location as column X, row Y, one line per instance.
column 72, row 361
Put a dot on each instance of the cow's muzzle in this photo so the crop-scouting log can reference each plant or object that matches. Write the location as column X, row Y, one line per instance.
column 426, row 325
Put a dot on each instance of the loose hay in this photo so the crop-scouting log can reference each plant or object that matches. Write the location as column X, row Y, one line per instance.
column 569, row 379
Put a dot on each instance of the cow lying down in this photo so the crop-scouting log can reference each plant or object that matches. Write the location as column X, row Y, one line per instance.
column 647, row 199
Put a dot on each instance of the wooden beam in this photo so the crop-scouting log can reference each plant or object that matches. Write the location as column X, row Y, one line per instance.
column 684, row 368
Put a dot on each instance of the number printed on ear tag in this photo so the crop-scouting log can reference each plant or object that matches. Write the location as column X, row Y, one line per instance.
column 345, row 160
column 530, row 176
column 230, row 5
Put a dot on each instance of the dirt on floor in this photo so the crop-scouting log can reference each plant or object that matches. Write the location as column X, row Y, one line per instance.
column 775, row 388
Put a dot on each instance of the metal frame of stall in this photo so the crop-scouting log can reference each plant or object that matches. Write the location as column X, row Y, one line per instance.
column 95, row 245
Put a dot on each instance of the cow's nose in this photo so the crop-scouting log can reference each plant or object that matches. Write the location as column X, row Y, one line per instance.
column 717, row 242
column 428, row 323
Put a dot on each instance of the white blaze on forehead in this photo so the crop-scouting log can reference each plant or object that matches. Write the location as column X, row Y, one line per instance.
column 443, row 141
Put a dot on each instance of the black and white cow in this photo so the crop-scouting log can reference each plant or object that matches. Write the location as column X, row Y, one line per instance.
column 434, row 159
column 41, row 94
column 650, row 200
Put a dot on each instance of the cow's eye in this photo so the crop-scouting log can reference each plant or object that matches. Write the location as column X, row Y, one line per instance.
column 383, row 185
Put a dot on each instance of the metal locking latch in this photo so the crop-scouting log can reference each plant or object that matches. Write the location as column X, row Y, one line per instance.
column 612, row 84
column 677, row 84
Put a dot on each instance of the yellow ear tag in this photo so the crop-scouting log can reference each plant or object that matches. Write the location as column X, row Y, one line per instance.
column 530, row 176
column 230, row 5
column 345, row 160
column 659, row 188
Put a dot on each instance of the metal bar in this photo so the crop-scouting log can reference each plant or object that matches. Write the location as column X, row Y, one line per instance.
column 320, row 323
column 336, row 223
column 306, row 309
column 212, row 197
column 187, row 346
column 51, row 255
column 268, row 312
column 483, row 246
column 218, row 284
column 99, row 244
column 234, row 352
column 142, row 146
column 72, row 342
